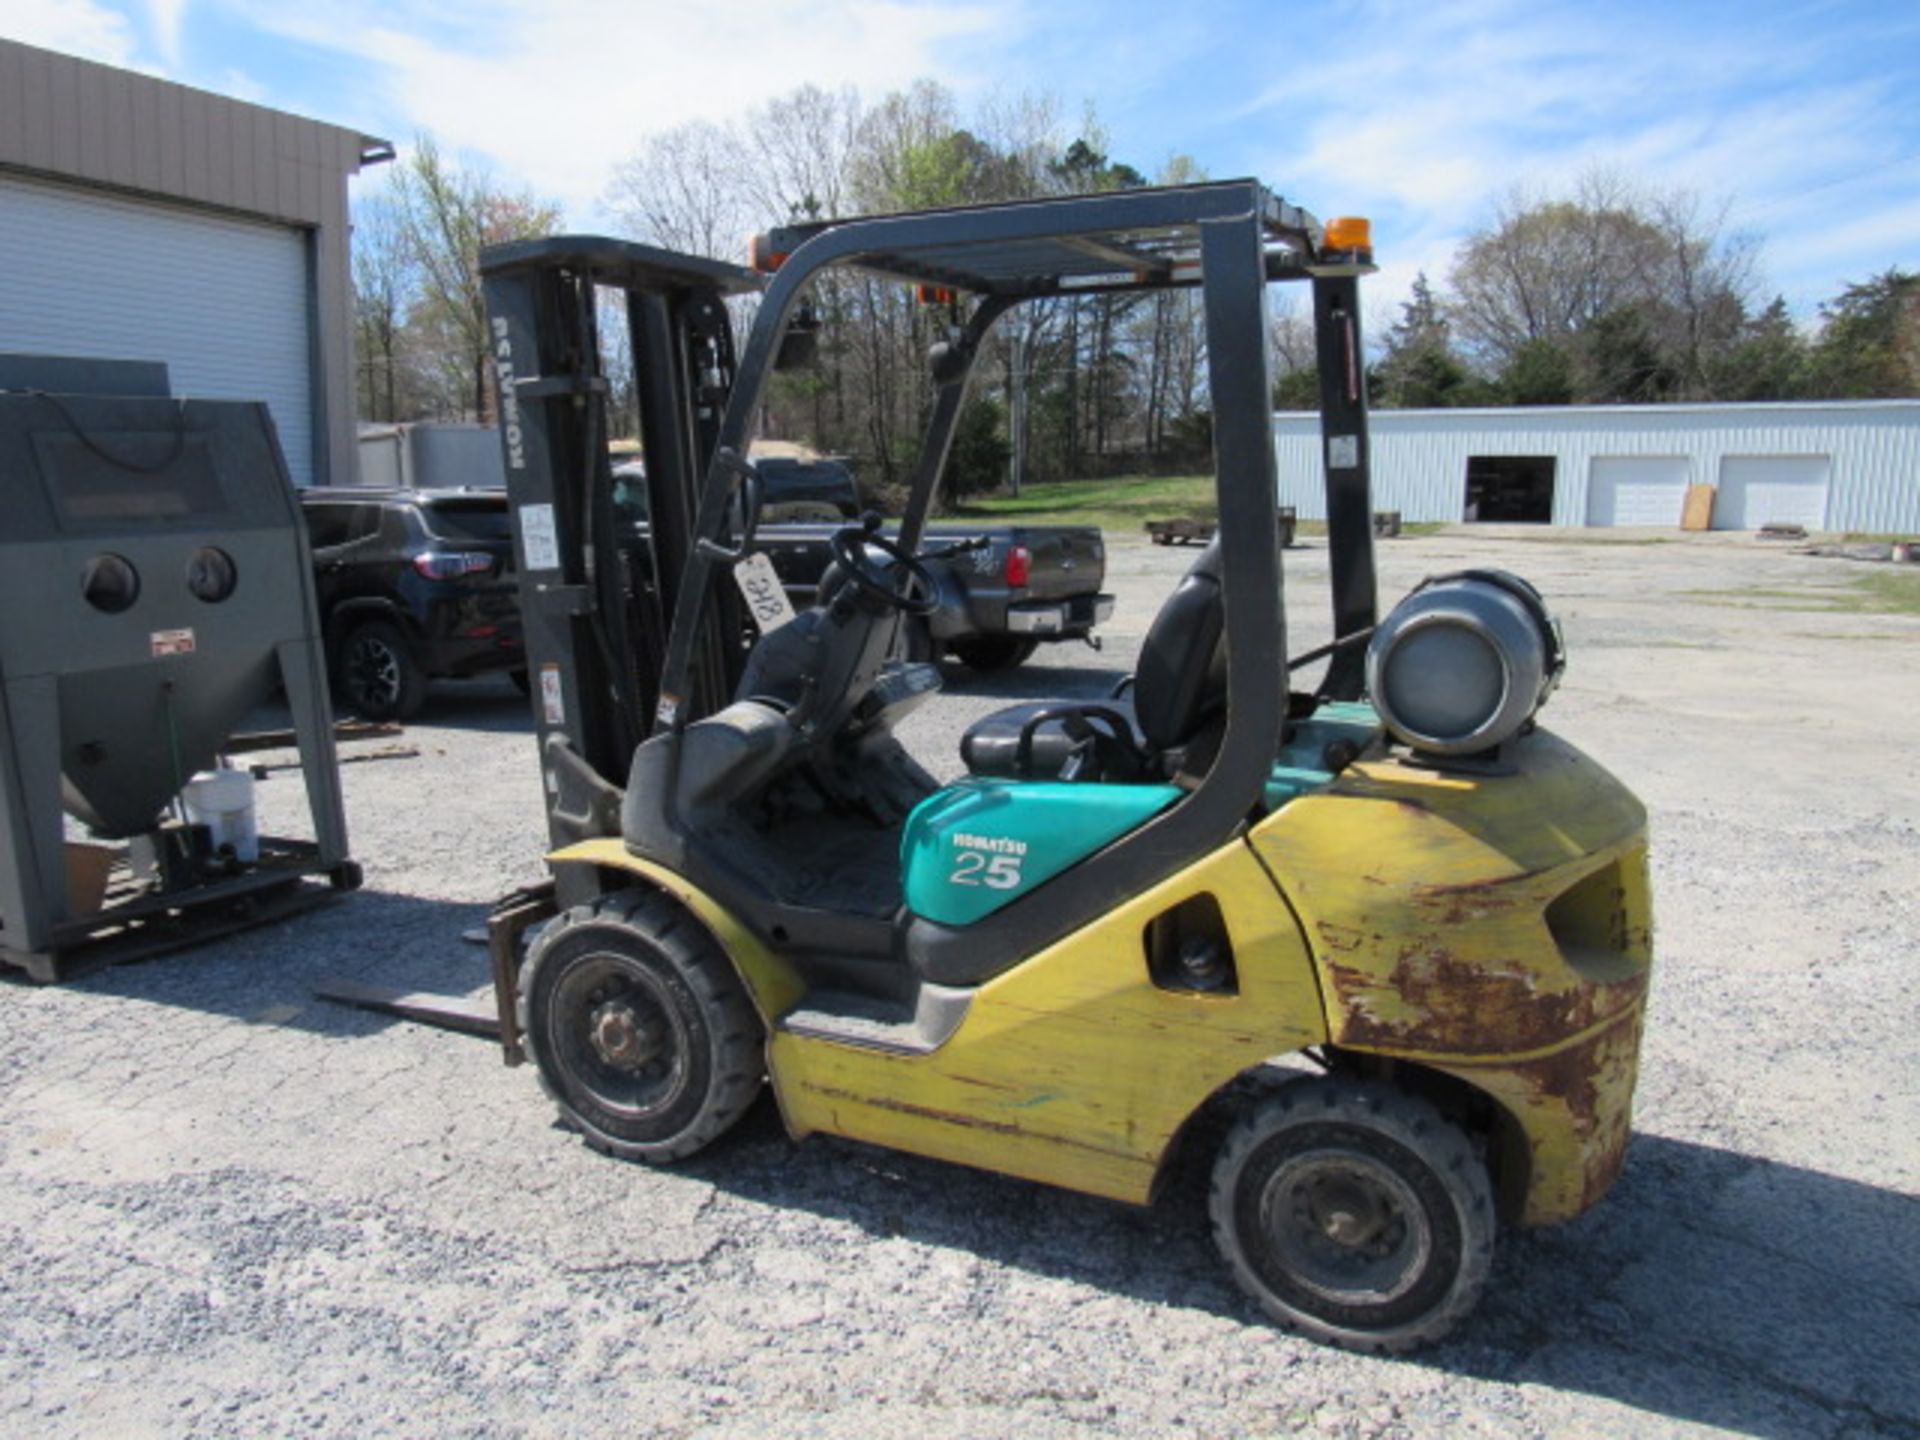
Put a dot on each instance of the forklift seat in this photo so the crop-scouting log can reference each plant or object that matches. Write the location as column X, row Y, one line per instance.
column 1168, row 726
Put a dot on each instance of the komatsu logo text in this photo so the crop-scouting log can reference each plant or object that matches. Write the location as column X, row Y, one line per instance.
column 997, row 844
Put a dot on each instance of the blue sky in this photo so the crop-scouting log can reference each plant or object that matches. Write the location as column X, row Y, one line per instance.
column 1804, row 119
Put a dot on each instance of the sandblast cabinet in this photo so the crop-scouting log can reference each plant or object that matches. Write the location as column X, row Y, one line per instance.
column 155, row 587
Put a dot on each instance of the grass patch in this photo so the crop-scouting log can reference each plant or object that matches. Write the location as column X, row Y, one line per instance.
column 1893, row 593
column 1901, row 636
column 1123, row 504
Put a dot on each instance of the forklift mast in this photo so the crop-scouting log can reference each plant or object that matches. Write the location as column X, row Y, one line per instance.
column 598, row 579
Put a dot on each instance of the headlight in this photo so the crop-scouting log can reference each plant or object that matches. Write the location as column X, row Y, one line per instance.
column 1463, row 662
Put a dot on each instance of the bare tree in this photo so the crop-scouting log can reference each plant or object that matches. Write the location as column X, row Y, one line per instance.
column 685, row 189
column 1707, row 278
column 1109, row 375
column 447, row 212
column 1658, row 268
column 801, row 149
column 384, row 283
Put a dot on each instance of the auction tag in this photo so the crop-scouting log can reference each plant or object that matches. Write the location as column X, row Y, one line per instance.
column 766, row 596
column 553, row 700
column 539, row 538
column 171, row 642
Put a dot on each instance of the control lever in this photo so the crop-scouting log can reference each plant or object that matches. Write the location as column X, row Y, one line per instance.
column 751, row 493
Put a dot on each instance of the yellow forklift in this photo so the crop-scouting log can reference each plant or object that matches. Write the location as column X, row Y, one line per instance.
column 1398, row 932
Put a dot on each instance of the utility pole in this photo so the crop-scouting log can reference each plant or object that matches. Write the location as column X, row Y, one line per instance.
column 1017, row 411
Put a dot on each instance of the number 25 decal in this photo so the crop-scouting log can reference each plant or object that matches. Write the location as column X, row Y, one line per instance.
column 976, row 867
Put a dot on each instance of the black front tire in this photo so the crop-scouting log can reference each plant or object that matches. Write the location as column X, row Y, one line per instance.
column 994, row 652
column 1354, row 1213
column 641, row 1030
column 378, row 674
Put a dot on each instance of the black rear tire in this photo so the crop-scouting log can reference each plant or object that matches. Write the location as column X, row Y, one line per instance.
column 378, row 675
column 641, row 1030
column 1354, row 1213
column 993, row 652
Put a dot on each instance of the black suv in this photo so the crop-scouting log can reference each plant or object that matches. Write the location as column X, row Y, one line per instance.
column 413, row 584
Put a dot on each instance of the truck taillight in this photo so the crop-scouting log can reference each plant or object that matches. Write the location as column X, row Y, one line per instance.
column 451, row 565
column 1019, row 565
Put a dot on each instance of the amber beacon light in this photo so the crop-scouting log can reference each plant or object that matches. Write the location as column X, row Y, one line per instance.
column 761, row 255
column 1349, row 233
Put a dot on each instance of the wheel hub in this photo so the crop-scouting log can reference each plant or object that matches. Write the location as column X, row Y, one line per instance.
column 376, row 669
column 622, row 1038
column 1345, row 1228
column 1348, row 1214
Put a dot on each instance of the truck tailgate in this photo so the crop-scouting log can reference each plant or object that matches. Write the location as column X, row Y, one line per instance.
column 1067, row 560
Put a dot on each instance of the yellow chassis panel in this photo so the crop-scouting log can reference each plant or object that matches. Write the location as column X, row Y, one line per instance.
column 1072, row 1068
column 1402, row 914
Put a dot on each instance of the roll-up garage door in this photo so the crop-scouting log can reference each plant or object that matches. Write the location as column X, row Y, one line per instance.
column 1758, row 490
column 1637, row 490
column 223, row 302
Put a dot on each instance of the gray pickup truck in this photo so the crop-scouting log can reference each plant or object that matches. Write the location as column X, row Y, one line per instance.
column 1003, row 588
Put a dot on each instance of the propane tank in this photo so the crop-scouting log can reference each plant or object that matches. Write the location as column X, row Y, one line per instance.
column 1464, row 662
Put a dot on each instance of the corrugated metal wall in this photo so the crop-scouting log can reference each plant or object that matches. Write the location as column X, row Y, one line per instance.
column 82, row 123
column 1420, row 456
column 90, row 272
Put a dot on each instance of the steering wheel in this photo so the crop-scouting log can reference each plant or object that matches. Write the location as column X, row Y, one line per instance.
column 920, row 595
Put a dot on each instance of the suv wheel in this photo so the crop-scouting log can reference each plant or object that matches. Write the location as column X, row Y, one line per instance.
column 379, row 677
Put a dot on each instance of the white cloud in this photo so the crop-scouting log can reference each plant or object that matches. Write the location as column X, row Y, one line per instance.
column 1429, row 113
column 165, row 18
column 557, row 96
column 73, row 27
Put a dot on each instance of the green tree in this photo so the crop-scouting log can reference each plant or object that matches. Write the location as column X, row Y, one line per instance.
column 1869, row 347
column 1420, row 369
column 1769, row 361
column 1621, row 362
column 980, row 452
column 1539, row 372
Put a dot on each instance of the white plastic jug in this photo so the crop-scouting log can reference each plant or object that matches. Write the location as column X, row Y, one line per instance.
column 222, row 800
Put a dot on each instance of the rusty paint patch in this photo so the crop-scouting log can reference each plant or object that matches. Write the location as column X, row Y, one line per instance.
column 1595, row 1080
column 1577, row 1106
column 1345, row 938
column 1433, row 1000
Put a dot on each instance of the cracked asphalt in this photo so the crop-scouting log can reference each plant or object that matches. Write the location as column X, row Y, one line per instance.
column 229, row 1209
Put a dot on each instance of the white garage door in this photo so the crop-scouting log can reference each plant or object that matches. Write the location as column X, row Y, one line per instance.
column 223, row 302
column 1758, row 490
column 1637, row 490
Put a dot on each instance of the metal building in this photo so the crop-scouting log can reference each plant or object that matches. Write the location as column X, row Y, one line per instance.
column 142, row 220
column 1837, row 466
column 432, row 455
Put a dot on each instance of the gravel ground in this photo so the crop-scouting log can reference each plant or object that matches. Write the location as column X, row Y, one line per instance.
column 230, row 1210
